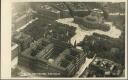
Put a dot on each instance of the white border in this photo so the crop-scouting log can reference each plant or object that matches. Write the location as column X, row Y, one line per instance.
column 6, row 36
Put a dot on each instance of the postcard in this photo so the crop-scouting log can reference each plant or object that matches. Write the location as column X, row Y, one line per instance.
column 64, row 39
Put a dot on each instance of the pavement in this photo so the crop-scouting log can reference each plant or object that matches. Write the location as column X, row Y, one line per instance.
column 80, row 33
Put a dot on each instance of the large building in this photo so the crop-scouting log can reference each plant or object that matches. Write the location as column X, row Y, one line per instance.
column 50, row 58
column 93, row 21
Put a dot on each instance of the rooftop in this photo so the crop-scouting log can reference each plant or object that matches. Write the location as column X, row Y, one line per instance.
column 107, row 65
column 49, row 8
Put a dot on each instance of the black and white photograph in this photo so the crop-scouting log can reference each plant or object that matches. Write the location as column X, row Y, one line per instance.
column 68, row 39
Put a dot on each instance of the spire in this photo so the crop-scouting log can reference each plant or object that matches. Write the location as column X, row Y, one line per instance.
column 75, row 44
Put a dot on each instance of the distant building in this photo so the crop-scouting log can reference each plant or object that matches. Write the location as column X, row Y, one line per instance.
column 46, row 13
column 52, row 58
column 21, row 14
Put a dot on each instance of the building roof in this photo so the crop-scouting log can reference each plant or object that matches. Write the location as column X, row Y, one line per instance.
column 107, row 65
column 49, row 8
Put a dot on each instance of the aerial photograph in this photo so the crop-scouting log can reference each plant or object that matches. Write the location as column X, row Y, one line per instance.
column 68, row 40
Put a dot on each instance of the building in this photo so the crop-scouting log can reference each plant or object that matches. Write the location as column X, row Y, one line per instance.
column 62, row 32
column 93, row 21
column 23, row 40
column 45, row 12
column 107, row 67
column 55, row 30
column 50, row 58
column 78, row 9
column 21, row 15
column 15, row 50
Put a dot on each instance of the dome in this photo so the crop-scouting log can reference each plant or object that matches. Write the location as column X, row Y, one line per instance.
column 51, row 61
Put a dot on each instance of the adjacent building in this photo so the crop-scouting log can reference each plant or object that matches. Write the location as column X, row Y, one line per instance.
column 103, row 68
